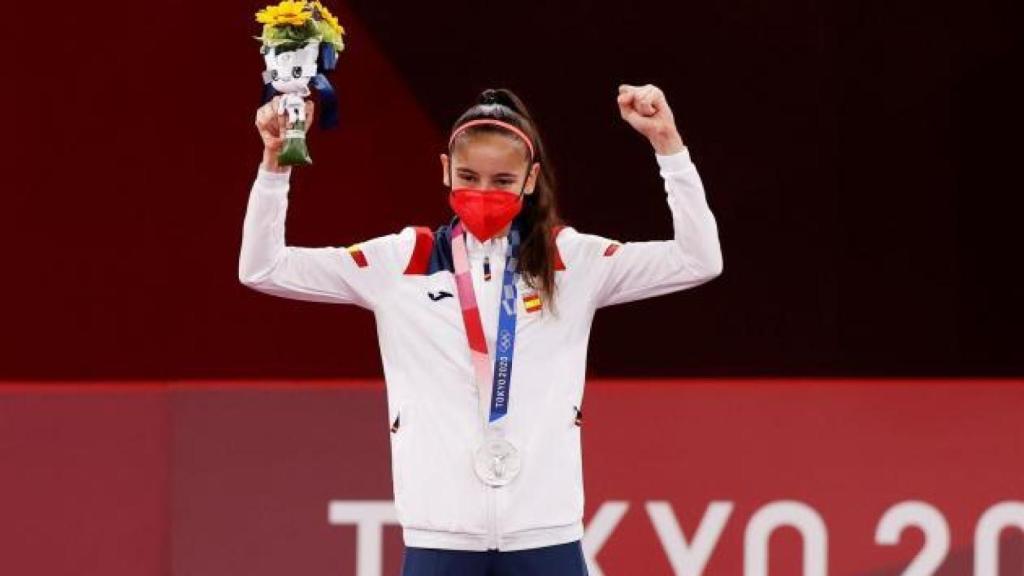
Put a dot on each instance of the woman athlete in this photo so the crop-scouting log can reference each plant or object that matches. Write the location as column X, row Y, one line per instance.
column 483, row 325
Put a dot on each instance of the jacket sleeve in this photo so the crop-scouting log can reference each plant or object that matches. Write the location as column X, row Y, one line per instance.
column 358, row 274
column 624, row 272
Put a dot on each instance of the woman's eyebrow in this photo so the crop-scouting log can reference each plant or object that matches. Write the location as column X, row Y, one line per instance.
column 471, row 171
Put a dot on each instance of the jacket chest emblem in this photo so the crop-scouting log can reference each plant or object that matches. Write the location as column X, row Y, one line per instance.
column 532, row 302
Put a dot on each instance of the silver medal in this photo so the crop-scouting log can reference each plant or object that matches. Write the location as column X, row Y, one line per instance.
column 497, row 461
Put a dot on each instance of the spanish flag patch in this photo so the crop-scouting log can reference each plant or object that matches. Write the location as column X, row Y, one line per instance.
column 357, row 254
column 532, row 302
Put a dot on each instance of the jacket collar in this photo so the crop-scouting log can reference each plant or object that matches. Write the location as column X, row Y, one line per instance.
column 493, row 246
column 441, row 251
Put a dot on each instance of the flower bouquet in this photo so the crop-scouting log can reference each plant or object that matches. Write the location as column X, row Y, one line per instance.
column 300, row 42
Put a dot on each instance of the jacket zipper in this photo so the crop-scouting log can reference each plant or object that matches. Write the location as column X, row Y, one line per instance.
column 492, row 513
column 494, row 535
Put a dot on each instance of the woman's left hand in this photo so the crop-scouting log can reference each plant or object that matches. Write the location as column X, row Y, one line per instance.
column 646, row 110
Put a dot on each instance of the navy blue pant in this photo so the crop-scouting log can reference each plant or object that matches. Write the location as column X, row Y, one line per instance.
column 558, row 560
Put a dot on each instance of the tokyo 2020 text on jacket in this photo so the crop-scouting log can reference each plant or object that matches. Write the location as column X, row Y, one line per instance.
column 432, row 396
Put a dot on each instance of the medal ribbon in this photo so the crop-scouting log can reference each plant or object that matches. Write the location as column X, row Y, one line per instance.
column 506, row 339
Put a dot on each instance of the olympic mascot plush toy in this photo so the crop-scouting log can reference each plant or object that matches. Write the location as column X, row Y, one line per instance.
column 300, row 43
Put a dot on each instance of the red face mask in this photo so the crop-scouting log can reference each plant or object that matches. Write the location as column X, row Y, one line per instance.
column 485, row 212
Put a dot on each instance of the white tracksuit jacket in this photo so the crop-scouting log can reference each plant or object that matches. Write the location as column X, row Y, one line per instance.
column 433, row 410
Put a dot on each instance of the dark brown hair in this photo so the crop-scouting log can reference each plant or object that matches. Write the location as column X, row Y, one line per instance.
column 539, row 216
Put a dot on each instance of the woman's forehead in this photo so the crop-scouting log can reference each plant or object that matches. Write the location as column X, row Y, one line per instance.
column 489, row 152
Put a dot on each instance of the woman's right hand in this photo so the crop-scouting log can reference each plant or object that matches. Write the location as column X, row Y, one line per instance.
column 271, row 126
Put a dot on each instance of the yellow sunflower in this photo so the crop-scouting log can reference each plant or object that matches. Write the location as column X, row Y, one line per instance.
column 331, row 19
column 288, row 12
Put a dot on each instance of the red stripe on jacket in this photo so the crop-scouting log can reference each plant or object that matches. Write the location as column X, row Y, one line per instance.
column 420, row 260
column 559, row 265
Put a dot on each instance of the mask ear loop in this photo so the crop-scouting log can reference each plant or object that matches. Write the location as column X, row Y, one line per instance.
column 451, row 177
column 529, row 168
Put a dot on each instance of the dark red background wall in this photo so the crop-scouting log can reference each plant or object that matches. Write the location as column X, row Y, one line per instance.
column 859, row 159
